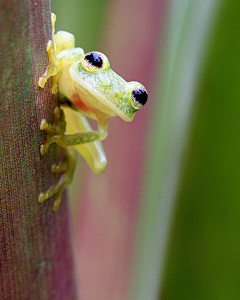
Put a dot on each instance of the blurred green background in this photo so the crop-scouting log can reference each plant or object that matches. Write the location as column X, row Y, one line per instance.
column 169, row 203
column 85, row 19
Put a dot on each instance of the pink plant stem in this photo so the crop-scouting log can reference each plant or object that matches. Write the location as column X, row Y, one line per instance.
column 110, row 202
column 35, row 243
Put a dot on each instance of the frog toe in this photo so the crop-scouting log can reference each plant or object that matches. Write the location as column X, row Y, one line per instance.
column 42, row 197
column 57, row 202
column 42, row 81
column 50, row 46
column 57, row 113
column 59, row 168
column 43, row 124
column 43, row 148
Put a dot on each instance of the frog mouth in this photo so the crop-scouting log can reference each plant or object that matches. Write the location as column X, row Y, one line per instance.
column 99, row 104
column 86, row 110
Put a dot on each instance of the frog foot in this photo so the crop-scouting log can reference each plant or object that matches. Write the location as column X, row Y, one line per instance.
column 55, row 132
column 52, row 68
column 66, row 169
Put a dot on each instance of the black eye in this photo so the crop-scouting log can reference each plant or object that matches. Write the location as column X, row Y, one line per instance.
column 139, row 97
column 94, row 61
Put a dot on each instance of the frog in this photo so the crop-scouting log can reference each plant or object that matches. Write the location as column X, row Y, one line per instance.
column 87, row 89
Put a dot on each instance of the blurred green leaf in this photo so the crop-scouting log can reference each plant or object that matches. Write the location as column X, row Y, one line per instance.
column 83, row 18
column 204, row 253
column 189, row 29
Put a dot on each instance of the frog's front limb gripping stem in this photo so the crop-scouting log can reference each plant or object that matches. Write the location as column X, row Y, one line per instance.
column 56, row 133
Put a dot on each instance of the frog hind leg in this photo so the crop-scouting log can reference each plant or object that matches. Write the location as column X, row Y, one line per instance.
column 62, row 40
column 57, row 62
column 66, row 169
column 51, row 69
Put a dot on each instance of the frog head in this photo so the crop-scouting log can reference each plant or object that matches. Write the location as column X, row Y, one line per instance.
column 103, row 91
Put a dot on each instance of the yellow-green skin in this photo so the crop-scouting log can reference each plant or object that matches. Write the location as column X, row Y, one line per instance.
column 97, row 94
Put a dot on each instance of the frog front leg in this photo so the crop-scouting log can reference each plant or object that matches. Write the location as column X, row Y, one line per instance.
column 56, row 133
column 93, row 153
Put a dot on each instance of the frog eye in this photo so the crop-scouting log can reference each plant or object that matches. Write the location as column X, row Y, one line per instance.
column 94, row 61
column 139, row 97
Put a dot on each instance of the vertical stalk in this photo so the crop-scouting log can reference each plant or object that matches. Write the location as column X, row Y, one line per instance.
column 35, row 251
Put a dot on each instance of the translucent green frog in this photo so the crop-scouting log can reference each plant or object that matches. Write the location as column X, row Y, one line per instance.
column 88, row 88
